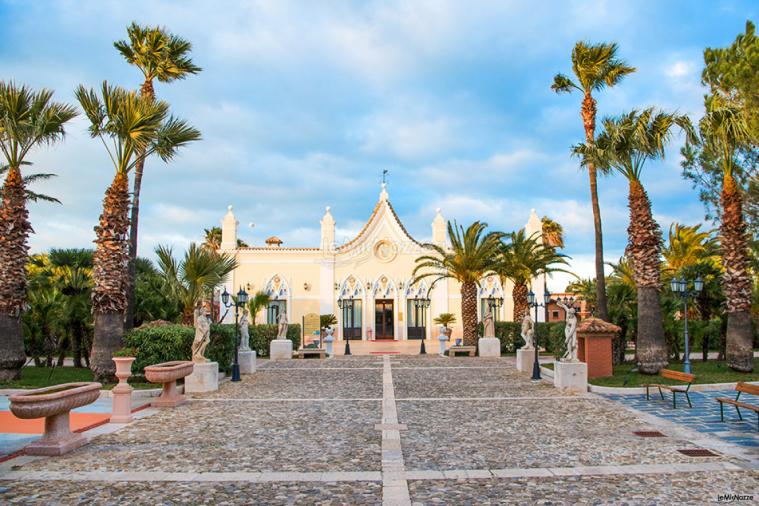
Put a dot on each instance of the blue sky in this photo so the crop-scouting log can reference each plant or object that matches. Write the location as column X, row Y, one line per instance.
column 303, row 104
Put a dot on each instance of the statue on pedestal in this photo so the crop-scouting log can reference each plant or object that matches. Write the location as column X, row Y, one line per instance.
column 282, row 332
column 202, row 335
column 570, row 333
column 244, row 332
column 489, row 325
column 528, row 332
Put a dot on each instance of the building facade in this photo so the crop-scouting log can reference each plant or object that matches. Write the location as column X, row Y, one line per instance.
column 369, row 276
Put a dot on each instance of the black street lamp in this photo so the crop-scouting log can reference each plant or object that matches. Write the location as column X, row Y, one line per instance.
column 680, row 288
column 534, row 303
column 346, row 305
column 494, row 304
column 242, row 299
column 423, row 304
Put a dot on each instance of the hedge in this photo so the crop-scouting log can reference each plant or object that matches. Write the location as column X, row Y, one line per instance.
column 550, row 336
column 262, row 335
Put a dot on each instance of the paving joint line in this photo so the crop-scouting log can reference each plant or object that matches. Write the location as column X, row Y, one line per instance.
column 395, row 490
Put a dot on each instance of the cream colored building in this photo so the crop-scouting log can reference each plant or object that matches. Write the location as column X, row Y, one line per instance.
column 375, row 269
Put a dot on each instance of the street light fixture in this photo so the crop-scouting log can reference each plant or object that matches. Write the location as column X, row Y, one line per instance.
column 423, row 304
column 534, row 303
column 679, row 287
column 242, row 300
column 494, row 304
column 346, row 305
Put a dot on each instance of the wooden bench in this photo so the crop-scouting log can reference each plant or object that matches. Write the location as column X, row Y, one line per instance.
column 675, row 389
column 310, row 352
column 470, row 350
column 740, row 387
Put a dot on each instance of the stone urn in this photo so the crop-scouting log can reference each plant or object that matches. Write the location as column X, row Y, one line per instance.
column 168, row 373
column 54, row 403
column 121, row 407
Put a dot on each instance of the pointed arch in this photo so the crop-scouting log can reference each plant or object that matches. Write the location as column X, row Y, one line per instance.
column 384, row 288
column 351, row 286
column 277, row 287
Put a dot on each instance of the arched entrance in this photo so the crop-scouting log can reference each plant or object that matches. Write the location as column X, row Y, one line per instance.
column 384, row 308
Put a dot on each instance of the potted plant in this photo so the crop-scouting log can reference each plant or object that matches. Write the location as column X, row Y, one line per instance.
column 123, row 359
column 121, row 411
column 446, row 319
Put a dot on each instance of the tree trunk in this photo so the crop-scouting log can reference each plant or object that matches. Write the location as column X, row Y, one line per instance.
column 109, row 272
column 469, row 313
column 76, row 344
column 644, row 249
column 14, row 232
column 736, row 281
column 146, row 91
column 109, row 329
column 588, row 113
column 521, row 303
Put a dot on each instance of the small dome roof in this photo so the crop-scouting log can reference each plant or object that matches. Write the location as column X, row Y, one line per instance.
column 273, row 241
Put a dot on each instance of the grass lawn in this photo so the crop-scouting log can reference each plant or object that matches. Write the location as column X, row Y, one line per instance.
column 37, row 377
column 711, row 371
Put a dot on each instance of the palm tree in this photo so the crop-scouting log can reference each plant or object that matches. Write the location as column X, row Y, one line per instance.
column 687, row 248
column 32, row 196
column 625, row 145
column 471, row 257
column 163, row 56
column 193, row 280
column 553, row 233
column 521, row 260
column 212, row 238
column 130, row 127
column 258, row 302
column 595, row 67
column 724, row 129
column 27, row 119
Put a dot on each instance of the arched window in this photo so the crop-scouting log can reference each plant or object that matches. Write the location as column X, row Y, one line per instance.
column 279, row 294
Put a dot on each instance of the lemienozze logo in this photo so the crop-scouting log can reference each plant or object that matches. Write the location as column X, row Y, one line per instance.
column 728, row 498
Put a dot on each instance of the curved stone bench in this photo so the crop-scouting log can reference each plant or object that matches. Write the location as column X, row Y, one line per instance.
column 55, row 403
column 168, row 373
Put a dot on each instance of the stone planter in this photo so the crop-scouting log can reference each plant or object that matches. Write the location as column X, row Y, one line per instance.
column 121, row 410
column 54, row 403
column 168, row 373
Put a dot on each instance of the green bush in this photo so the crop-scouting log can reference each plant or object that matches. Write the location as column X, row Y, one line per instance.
column 174, row 342
column 556, row 338
column 509, row 333
column 262, row 335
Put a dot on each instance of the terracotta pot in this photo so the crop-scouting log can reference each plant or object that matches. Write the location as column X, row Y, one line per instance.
column 121, row 406
column 123, row 367
column 54, row 403
column 168, row 373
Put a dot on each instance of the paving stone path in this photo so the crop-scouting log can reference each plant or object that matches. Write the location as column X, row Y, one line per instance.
column 387, row 430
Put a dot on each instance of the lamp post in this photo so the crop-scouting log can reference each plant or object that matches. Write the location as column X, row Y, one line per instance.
column 494, row 304
column 680, row 288
column 534, row 303
column 242, row 299
column 423, row 304
column 346, row 304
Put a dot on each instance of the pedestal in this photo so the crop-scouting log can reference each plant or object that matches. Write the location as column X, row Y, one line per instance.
column 525, row 359
column 58, row 438
column 247, row 360
column 121, row 403
column 281, row 349
column 489, row 346
column 571, row 376
column 204, row 378
column 328, row 341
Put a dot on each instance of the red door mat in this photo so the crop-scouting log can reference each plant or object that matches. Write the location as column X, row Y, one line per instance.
column 384, row 353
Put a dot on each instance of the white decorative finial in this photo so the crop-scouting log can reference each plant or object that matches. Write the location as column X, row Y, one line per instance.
column 327, row 209
column 383, row 193
column 229, row 208
column 437, row 210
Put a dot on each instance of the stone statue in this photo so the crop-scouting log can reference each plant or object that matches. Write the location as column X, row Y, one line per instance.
column 570, row 333
column 202, row 335
column 244, row 332
column 282, row 333
column 489, row 325
column 528, row 332
column 328, row 340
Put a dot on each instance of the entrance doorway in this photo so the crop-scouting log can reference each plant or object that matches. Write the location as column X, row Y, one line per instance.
column 383, row 319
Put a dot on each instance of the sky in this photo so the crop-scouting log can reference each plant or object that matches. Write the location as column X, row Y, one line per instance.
column 302, row 105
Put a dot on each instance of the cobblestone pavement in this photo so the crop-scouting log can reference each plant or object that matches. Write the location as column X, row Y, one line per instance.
column 386, row 429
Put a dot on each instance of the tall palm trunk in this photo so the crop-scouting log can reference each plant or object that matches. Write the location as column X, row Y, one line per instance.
column 521, row 304
column 736, row 281
column 14, row 232
column 469, row 312
column 588, row 113
column 109, row 271
column 147, row 91
column 644, row 248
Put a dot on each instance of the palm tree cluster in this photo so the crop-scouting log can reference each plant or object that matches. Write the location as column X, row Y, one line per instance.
column 132, row 126
column 474, row 253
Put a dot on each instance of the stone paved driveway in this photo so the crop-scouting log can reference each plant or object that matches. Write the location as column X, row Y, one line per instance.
column 386, row 430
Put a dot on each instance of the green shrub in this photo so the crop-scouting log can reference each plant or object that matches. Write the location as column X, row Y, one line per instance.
column 174, row 342
column 509, row 333
column 262, row 335
column 556, row 338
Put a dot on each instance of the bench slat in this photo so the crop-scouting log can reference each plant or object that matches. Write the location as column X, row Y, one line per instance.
column 677, row 375
column 739, row 404
column 747, row 388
